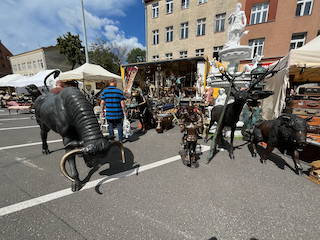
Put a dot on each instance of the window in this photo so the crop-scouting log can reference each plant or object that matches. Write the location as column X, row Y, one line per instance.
column 23, row 66
column 220, row 21
column 184, row 30
column 183, row 54
column 19, row 67
column 257, row 46
column 169, row 6
column 216, row 51
column 155, row 10
column 304, row 7
column 168, row 56
column 155, row 37
column 169, row 34
column 40, row 64
column 202, row 1
column 34, row 65
column 297, row 40
column 29, row 65
column 184, row 4
column 201, row 27
column 200, row 52
column 15, row 67
column 259, row 13
column 155, row 58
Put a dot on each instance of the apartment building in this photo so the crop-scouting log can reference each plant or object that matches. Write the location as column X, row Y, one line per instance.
column 5, row 67
column 32, row 62
column 186, row 28
column 276, row 26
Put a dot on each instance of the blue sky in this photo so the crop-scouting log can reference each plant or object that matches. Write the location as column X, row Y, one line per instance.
column 30, row 24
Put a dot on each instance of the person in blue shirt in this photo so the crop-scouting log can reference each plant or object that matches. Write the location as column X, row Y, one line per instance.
column 113, row 100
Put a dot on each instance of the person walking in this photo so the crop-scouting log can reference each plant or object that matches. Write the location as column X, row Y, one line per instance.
column 113, row 100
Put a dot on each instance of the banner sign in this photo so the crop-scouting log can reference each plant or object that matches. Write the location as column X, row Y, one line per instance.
column 128, row 81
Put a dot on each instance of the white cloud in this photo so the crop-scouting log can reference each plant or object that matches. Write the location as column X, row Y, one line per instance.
column 37, row 23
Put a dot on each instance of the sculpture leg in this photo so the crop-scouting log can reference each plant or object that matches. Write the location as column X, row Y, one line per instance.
column 76, row 185
column 44, row 136
column 295, row 157
column 231, row 143
column 208, row 129
column 254, row 149
column 266, row 153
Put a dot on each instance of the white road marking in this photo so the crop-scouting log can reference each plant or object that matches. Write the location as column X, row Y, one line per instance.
column 28, row 144
column 14, row 128
column 27, row 162
column 12, row 119
column 59, row 194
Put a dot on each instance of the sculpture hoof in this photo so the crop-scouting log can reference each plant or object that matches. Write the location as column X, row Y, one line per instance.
column 254, row 155
column 263, row 161
column 45, row 151
column 300, row 172
column 76, row 186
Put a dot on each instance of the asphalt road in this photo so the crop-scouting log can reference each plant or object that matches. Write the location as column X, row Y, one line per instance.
column 153, row 195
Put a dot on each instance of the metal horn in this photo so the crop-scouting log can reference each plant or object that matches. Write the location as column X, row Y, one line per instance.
column 63, row 162
column 119, row 144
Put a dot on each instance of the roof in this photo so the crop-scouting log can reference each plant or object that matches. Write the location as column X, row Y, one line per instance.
column 166, row 62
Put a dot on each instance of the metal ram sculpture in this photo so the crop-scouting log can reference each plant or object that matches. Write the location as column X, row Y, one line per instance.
column 233, row 110
column 287, row 132
column 70, row 114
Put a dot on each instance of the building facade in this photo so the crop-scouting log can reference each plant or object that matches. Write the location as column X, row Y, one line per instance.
column 32, row 62
column 186, row 28
column 276, row 26
column 5, row 67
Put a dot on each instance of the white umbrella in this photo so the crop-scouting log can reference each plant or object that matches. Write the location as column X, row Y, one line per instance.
column 89, row 72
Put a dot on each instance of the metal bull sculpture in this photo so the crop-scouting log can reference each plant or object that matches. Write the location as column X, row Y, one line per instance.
column 71, row 115
column 287, row 132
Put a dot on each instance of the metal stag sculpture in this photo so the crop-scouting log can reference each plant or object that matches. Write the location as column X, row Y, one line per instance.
column 70, row 114
column 232, row 111
column 287, row 132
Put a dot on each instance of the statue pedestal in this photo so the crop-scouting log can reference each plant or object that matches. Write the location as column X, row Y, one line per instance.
column 233, row 55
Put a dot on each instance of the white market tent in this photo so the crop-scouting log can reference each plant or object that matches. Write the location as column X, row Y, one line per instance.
column 304, row 64
column 37, row 79
column 90, row 73
column 8, row 81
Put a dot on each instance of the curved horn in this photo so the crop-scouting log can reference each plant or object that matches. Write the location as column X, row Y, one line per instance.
column 63, row 162
column 119, row 144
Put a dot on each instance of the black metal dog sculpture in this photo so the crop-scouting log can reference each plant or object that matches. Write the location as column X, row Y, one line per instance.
column 287, row 132
column 71, row 115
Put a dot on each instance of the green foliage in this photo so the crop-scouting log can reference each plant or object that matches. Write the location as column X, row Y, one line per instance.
column 136, row 55
column 100, row 53
column 70, row 45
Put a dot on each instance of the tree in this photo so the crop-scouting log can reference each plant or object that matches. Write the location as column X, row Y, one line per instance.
column 120, row 52
column 136, row 55
column 102, row 55
column 70, row 45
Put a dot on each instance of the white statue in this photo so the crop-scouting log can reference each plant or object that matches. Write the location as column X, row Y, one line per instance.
column 221, row 99
column 214, row 68
column 257, row 58
column 237, row 22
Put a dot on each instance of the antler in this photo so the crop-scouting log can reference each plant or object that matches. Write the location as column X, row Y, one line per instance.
column 263, row 76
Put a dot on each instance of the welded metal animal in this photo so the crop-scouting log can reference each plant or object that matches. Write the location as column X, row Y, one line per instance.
column 287, row 132
column 233, row 110
column 71, row 115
